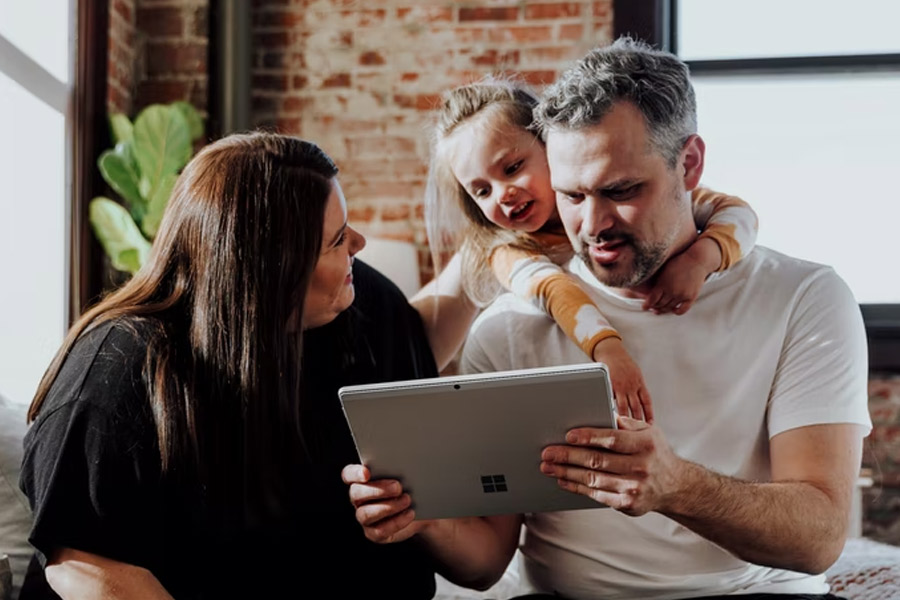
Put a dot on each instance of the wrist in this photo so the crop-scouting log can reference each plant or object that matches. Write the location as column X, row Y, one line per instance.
column 706, row 253
column 687, row 482
column 607, row 347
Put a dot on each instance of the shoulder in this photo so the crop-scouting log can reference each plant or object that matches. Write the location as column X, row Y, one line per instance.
column 374, row 290
column 767, row 265
column 102, row 373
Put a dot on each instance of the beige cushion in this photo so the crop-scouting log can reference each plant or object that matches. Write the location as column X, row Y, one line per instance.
column 15, row 515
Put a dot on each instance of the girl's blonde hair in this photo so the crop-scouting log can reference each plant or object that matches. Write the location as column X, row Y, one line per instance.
column 453, row 221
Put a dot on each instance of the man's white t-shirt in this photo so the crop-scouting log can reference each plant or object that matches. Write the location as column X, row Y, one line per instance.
column 772, row 344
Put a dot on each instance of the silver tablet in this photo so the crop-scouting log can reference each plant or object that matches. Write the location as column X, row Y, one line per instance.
column 470, row 445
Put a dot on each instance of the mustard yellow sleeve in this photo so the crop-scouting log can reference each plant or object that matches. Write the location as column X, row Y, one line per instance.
column 728, row 221
column 535, row 278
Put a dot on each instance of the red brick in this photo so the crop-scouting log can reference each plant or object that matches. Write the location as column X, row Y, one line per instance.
column 571, row 32
column 400, row 236
column 277, row 83
column 538, row 77
column 176, row 58
column 425, row 14
column 493, row 58
column 200, row 25
column 364, row 18
column 550, row 54
column 299, row 82
column 497, row 13
column 289, row 125
column 293, row 104
column 602, row 9
column 418, row 101
column 409, row 77
column 553, row 11
column 152, row 92
column 162, row 21
column 337, row 80
column 395, row 212
column 371, row 58
column 359, row 213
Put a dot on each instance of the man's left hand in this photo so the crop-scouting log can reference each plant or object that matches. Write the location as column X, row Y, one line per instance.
column 631, row 469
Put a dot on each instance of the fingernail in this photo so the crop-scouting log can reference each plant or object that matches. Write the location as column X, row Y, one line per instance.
column 572, row 438
column 546, row 468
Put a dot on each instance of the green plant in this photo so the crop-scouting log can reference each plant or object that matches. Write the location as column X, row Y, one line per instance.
column 141, row 169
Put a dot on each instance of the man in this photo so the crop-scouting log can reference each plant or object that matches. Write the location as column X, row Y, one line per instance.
column 743, row 483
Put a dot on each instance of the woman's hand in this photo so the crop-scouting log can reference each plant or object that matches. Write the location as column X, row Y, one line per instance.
column 75, row 574
column 382, row 507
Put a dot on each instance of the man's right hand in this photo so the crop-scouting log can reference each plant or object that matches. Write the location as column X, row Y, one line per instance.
column 382, row 507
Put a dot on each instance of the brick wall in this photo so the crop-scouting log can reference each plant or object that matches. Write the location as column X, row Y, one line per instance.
column 157, row 53
column 360, row 79
column 121, row 56
column 882, row 457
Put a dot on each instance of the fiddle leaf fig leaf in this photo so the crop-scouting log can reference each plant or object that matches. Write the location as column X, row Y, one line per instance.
column 121, row 126
column 119, row 174
column 118, row 234
column 192, row 116
column 157, row 205
column 162, row 142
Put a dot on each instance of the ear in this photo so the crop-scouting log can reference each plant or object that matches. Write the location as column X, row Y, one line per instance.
column 691, row 161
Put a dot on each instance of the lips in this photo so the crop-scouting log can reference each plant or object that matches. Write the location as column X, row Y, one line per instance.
column 607, row 252
column 521, row 211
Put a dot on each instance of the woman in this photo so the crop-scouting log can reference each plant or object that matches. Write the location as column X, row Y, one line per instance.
column 187, row 440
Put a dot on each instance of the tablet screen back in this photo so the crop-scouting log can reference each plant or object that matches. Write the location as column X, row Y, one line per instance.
column 470, row 445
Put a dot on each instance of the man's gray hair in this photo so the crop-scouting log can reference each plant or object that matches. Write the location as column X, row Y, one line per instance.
column 656, row 82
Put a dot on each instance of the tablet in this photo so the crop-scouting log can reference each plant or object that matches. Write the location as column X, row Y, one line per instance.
column 470, row 445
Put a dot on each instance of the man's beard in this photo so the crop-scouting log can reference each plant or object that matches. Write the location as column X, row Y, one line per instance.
column 647, row 260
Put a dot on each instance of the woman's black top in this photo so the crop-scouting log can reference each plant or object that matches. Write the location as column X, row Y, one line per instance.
column 92, row 470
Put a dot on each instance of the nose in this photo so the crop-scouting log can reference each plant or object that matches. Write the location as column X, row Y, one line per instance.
column 357, row 240
column 596, row 217
column 509, row 194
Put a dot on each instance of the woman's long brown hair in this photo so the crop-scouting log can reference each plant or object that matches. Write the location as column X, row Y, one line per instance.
column 226, row 278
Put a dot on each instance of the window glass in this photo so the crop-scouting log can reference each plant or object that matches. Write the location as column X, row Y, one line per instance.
column 729, row 29
column 818, row 157
column 40, row 29
column 33, row 238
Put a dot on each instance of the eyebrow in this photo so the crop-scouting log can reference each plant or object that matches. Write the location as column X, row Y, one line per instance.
column 612, row 185
column 337, row 235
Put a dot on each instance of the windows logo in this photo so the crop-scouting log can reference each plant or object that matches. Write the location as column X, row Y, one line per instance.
column 493, row 483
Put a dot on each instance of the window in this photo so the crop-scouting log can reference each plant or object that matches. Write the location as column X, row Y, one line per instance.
column 798, row 105
column 35, row 91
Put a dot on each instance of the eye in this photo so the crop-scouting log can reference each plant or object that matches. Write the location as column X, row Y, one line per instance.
column 511, row 169
column 341, row 240
column 481, row 192
column 570, row 197
column 623, row 193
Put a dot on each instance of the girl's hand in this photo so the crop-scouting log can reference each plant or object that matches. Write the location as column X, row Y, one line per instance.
column 632, row 396
column 680, row 279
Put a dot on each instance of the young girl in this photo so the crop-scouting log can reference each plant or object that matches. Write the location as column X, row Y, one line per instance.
column 489, row 196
